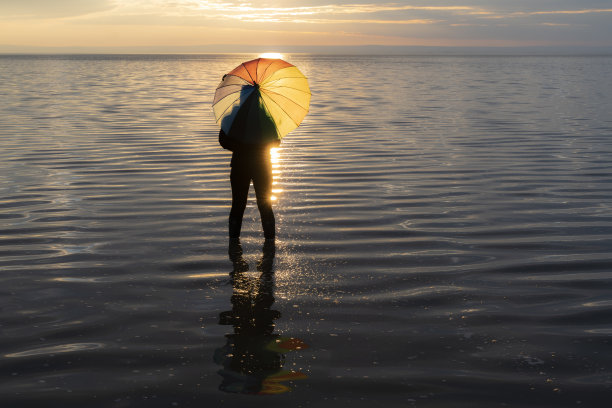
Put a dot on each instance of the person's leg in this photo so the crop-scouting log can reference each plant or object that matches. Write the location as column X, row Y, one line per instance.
column 240, row 180
column 262, row 181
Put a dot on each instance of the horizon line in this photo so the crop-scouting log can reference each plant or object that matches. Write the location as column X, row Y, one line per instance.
column 365, row 49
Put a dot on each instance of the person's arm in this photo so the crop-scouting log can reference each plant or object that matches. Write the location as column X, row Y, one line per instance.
column 226, row 142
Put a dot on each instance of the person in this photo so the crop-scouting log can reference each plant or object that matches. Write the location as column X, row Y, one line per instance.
column 250, row 162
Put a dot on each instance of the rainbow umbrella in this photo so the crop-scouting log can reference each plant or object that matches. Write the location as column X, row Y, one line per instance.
column 262, row 100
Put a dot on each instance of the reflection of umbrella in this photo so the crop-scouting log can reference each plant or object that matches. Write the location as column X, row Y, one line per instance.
column 261, row 100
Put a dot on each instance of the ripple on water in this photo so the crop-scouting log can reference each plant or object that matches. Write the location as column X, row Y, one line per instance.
column 451, row 249
column 60, row 348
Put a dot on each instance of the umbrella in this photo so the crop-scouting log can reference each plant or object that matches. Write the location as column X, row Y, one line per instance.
column 262, row 100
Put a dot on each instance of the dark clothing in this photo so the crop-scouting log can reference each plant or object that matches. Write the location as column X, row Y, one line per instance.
column 261, row 175
column 250, row 163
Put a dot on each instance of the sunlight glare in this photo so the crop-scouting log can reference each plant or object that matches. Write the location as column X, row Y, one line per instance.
column 275, row 155
column 275, row 160
column 273, row 55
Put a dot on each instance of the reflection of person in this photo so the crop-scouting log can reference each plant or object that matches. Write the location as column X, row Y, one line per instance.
column 253, row 355
column 250, row 162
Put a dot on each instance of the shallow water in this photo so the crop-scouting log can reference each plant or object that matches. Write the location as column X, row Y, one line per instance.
column 445, row 236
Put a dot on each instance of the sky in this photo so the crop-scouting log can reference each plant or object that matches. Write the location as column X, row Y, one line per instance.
column 180, row 25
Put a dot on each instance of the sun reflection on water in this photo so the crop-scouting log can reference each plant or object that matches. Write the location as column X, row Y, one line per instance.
column 273, row 55
column 275, row 160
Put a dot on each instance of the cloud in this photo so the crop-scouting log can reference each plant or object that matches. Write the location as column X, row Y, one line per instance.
column 586, row 11
column 372, row 12
column 367, row 21
column 36, row 9
column 191, row 22
column 242, row 7
column 232, row 10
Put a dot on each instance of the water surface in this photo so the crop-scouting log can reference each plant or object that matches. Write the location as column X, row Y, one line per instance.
column 445, row 236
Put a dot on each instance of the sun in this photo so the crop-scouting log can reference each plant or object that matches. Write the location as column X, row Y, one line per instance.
column 273, row 55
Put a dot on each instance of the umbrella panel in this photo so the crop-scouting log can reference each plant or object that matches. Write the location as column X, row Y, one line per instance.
column 228, row 85
column 284, row 112
column 257, row 70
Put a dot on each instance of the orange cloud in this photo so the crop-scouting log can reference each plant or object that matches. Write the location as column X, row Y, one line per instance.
column 587, row 11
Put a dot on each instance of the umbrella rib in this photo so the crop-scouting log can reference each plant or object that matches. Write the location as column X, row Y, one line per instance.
column 289, row 87
column 223, row 86
column 257, row 67
column 279, row 94
column 279, row 79
column 222, row 115
column 245, row 68
column 226, row 96
column 266, row 70
column 264, row 102
column 215, row 101
column 281, row 108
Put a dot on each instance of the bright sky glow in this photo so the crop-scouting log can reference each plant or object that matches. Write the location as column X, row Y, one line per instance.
column 276, row 23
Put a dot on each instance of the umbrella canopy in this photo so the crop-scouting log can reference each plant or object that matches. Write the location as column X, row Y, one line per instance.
column 262, row 100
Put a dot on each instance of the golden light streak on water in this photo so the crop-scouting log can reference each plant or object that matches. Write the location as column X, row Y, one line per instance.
column 275, row 159
column 275, row 155
column 203, row 275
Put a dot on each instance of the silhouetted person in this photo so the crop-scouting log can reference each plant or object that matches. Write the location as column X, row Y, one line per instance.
column 250, row 162
column 253, row 355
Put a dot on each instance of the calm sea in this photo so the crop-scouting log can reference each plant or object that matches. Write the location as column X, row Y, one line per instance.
column 445, row 237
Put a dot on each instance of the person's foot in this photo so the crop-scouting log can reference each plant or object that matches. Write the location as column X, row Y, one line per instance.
column 235, row 254
column 241, row 266
column 267, row 258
